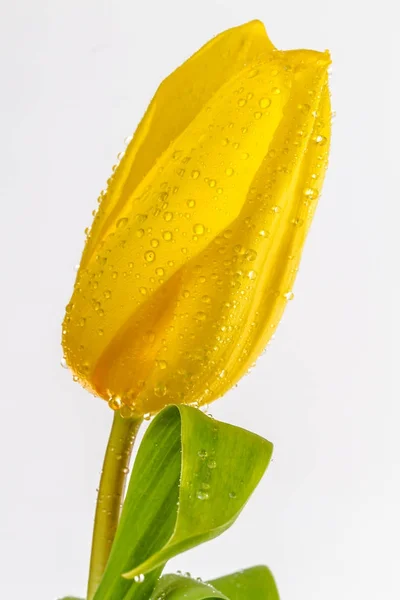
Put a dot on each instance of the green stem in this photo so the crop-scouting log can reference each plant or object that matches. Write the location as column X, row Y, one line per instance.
column 110, row 495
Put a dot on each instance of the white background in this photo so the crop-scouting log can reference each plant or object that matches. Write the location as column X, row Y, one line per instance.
column 76, row 76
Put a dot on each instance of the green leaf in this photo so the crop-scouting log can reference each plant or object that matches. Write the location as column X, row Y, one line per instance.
column 176, row 587
column 256, row 583
column 191, row 479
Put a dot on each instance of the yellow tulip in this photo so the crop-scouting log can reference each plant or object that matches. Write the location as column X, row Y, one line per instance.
column 193, row 253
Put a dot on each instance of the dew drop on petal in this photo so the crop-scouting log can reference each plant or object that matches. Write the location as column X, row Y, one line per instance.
column 122, row 222
column 199, row 229
column 149, row 255
column 265, row 102
column 160, row 389
column 320, row 140
column 115, row 402
column 289, row 295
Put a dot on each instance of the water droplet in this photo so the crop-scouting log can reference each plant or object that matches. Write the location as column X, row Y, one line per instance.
column 191, row 203
column 276, row 91
column 160, row 271
column 239, row 249
column 154, row 243
column 212, row 183
column 114, row 275
column 115, row 402
column 143, row 290
column 251, row 255
column 244, row 155
column 304, row 108
column 202, row 453
column 167, row 236
column 168, row 216
column 149, row 255
column 81, row 322
column 265, row 102
column 140, row 233
column 311, row 193
column 195, row 174
column 198, row 229
column 253, row 73
column 232, row 495
column 63, row 363
column 100, row 332
column 160, row 389
column 162, row 364
column 320, row 140
column 252, row 275
column 229, row 171
column 140, row 218
column 258, row 115
column 139, row 578
column 289, row 295
column 206, row 299
column 241, row 102
column 212, row 464
column 201, row 316
column 107, row 294
column 126, row 412
column 121, row 223
column 202, row 495
column 297, row 222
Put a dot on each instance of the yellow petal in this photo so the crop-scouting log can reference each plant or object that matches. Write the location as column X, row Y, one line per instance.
column 193, row 192
column 238, row 287
column 178, row 100
column 190, row 265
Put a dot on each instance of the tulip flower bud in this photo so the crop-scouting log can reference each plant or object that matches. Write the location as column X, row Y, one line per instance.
column 193, row 253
